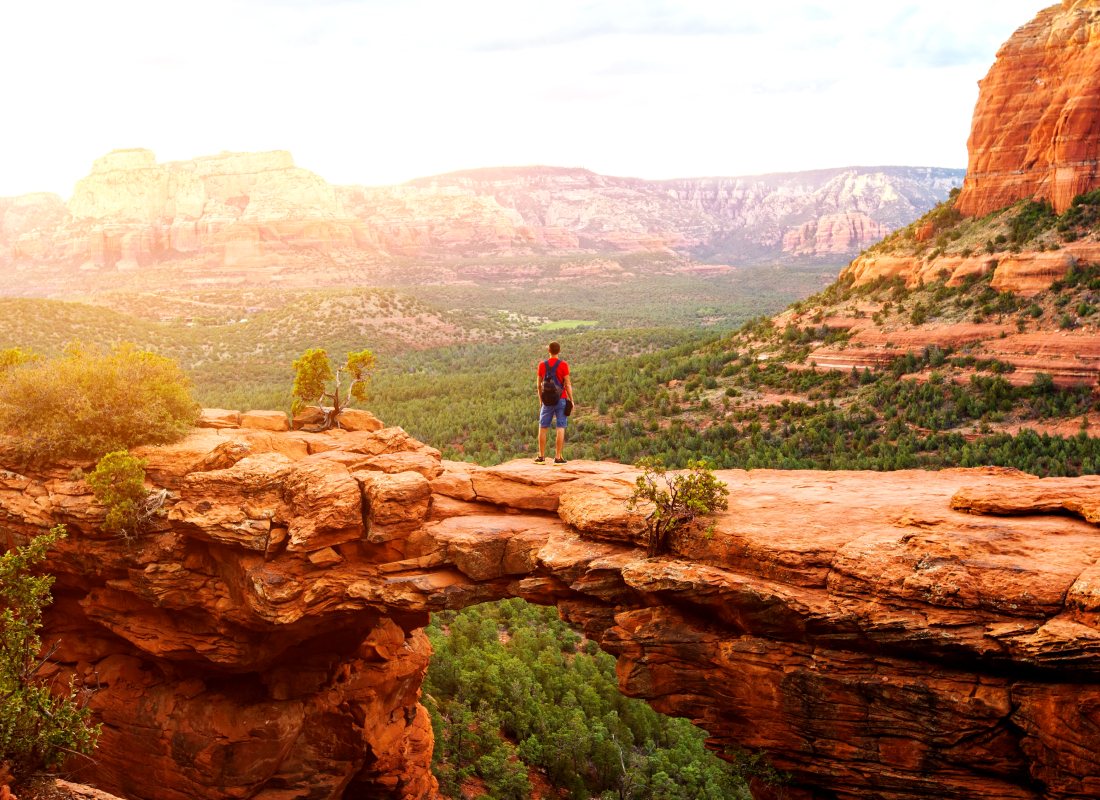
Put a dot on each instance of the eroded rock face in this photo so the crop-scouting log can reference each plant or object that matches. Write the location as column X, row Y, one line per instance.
column 254, row 212
column 1026, row 273
column 834, row 234
column 1036, row 130
column 899, row 635
column 1071, row 358
column 230, row 209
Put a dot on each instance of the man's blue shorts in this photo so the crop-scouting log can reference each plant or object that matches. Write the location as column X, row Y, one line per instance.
column 549, row 413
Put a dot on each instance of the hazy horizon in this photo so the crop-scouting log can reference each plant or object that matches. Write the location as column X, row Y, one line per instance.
column 381, row 92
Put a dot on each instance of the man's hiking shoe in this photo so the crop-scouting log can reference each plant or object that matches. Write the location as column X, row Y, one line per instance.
column 541, row 461
column 560, row 462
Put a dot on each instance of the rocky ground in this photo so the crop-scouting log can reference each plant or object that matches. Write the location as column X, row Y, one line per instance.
column 895, row 635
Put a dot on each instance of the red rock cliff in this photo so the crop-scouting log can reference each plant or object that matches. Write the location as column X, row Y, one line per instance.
column 1036, row 127
column 880, row 635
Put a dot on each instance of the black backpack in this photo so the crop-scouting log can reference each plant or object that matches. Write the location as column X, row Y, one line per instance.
column 551, row 387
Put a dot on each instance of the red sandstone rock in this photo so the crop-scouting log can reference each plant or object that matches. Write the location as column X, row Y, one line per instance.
column 326, row 506
column 1036, row 130
column 219, row 418
column 834, row 234
column 352, row 419
column 872, row 632
column 1071, row 358
column 265, row 421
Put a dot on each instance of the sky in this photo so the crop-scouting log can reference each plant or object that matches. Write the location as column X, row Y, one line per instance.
column 382, row 91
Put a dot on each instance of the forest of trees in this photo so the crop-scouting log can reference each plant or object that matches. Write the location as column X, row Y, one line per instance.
column 514, row 692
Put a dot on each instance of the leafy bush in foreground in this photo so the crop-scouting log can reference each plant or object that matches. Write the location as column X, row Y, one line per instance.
column 38, row 730
column 90, row 401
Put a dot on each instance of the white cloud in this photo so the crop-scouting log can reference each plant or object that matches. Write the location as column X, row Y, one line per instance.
column 383, row 91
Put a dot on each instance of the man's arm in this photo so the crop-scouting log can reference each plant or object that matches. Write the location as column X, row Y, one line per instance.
column 569, row 389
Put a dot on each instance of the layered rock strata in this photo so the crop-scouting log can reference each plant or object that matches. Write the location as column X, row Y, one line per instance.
column 1036, row 128
column 834, row 234
column 240, row 214
column 1071, row 358
column 231, row 209
column 1026, row 273
column 902, row 635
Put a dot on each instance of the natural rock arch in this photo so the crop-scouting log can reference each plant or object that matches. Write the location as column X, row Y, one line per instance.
column 869, row 631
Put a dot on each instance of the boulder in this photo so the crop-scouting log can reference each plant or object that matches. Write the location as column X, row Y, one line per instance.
column 598, row 508
column 219, row 418
column 350, row 419
column 266, row 421
column 395, row 499
column 310, row 416
column 354, row 419
column 325, row 557
column 325, row 506
column 458, row 485
column 426, row 462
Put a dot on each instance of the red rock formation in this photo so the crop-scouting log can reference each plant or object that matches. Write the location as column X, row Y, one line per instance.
column 880, row 635
column 1036, row 127
column 232, row 209
column 1026, row 273
column 834, row 234
column 1072, row 358
column 250, row 215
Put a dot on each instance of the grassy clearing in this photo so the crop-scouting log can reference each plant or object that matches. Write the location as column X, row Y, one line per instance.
column 567, row 324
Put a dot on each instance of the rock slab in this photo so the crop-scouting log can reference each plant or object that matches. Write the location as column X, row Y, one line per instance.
column 880, row 636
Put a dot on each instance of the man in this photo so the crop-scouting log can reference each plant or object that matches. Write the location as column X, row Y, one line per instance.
column 557, row 383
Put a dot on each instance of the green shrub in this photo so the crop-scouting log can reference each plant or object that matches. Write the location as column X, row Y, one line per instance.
column 91, row 401
column 15, row 357
column 38, row 730
column 118, row 482
column 676, row 500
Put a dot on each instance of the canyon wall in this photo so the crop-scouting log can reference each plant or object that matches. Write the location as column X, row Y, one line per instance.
column 231, row 209
column 740, row 218
column 238, row 211
column 834, row 234
column 888, row 636
column 1036, row 127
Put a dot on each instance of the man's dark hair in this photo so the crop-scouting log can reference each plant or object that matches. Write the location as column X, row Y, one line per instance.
column 555, row 348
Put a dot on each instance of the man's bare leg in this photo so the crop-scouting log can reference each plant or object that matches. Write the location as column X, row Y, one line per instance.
column 542, row 441
column 560, row 442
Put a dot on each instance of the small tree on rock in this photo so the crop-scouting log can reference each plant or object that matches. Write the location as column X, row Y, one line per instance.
column 313, row 373
column 676, row 499
column 118, row 482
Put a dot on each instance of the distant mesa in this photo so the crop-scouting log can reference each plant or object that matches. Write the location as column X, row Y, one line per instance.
column 243, row 211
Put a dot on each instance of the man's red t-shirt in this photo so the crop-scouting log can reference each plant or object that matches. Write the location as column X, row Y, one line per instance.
column 563, row 372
